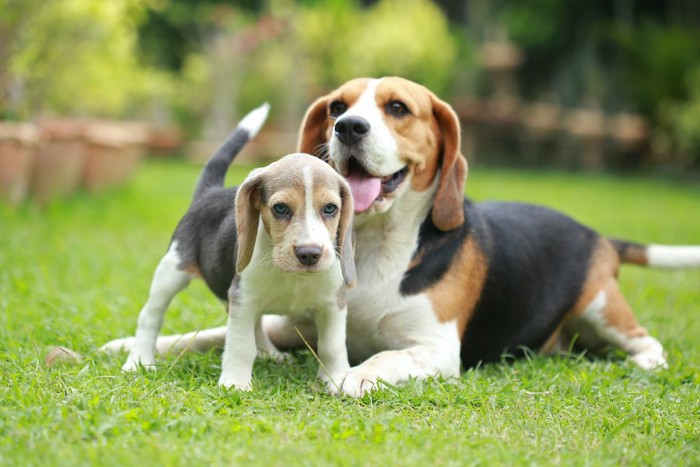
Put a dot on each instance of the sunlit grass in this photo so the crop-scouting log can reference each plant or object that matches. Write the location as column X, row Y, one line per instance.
column 76, row 274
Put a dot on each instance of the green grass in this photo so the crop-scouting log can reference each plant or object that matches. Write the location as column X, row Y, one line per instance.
column 77, row 272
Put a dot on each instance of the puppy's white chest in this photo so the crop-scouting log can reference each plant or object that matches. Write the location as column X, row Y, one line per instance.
column 270, row 291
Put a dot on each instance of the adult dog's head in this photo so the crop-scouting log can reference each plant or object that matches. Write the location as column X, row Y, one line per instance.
column 388, row 137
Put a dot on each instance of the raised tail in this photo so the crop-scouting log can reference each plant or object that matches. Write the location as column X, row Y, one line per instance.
column 214, row 172
column 658, row 256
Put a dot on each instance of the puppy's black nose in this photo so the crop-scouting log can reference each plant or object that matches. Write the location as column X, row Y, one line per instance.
column 308, row 255
column 350, row 130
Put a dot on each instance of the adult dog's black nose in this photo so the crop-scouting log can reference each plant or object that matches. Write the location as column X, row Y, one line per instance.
column 350, row 130
column 308, row 255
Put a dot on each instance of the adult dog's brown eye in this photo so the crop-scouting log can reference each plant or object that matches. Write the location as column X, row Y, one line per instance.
column 337, row 108
column 397, row 108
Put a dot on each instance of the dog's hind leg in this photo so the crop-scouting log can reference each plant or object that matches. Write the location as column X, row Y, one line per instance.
column 608, row 322
column 603, row 318
column 168, row 280
column 266, row 348
column 288, row 333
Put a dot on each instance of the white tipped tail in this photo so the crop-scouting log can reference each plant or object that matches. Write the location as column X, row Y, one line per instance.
column 673, row 257
column 254, row 120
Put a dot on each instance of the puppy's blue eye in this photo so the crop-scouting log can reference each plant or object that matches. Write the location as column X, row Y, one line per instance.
column 330, row 209
column 281, row 209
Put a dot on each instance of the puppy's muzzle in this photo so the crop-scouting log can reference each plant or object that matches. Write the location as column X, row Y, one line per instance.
column 351, row 130
column 308, row 255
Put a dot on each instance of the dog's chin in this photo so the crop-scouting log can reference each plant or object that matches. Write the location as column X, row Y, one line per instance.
column 297, row 269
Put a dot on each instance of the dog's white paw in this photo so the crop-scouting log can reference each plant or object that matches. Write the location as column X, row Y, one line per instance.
column 648, row 353
column 276, row 355
column 650, row 360
column 231, row 381
column 333, row 382
column 136, row 360
column 357, row 384
column 125, row 344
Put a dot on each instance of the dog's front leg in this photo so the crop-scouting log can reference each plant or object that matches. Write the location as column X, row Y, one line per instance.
column 240, row 349
column 398, row 366
column 332, row 349
column 419, row 347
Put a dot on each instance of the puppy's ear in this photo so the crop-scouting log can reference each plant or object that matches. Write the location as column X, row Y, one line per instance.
column 448, row 211
column 346, row 237
column 312, row 136
column 247, row 217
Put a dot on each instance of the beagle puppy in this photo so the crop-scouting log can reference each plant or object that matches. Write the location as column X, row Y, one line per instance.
column 281, row 243
column 445, row 283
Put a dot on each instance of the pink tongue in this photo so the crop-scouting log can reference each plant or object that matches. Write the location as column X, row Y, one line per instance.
column 365, row 189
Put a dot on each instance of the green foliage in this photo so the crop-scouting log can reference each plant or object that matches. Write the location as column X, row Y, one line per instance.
column 685, row 118
column 404, row 38
column 76, row 274
column 319, row 46
column 655, row 59
column 174, row 29
column 78, row 57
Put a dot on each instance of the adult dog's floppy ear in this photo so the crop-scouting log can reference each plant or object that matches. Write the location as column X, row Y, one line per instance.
column 346, row 238
column 312, row 136
column 448, row 211
column 247, row 217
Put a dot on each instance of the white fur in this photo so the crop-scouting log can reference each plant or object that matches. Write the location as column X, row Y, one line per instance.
column 673, row 257
column 315, row 231
column 254, row 120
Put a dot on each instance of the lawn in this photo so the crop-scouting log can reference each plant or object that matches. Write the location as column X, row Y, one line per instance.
column 76, row 274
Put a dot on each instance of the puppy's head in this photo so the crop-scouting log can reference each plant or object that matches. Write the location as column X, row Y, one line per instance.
column 388, row 136
column 306, row 209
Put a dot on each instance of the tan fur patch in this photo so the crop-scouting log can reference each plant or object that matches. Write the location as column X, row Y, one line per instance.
column 193, row 270
column 553, row 344
column 456, row 295
column 602, row 275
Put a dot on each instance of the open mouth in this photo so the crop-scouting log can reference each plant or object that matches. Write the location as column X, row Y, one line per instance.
column 367, row 188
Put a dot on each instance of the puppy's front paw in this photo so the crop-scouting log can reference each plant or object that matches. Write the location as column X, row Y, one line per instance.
column 357, row 384
column 231, row 381
column 137, row 360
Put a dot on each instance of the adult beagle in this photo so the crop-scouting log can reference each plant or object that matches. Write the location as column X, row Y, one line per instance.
column 281, row 243
column 443, row 282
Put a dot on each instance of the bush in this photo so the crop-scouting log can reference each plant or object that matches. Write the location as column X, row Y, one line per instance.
column 685, row 120
column 409, row 38
column 78, row 57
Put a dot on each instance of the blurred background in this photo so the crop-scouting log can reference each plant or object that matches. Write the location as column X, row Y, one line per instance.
column 601, row 85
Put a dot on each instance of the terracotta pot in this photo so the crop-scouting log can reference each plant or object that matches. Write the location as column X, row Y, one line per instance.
column 114, row 150
column 59, row 159
column 164, row 141
column 17, row 141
